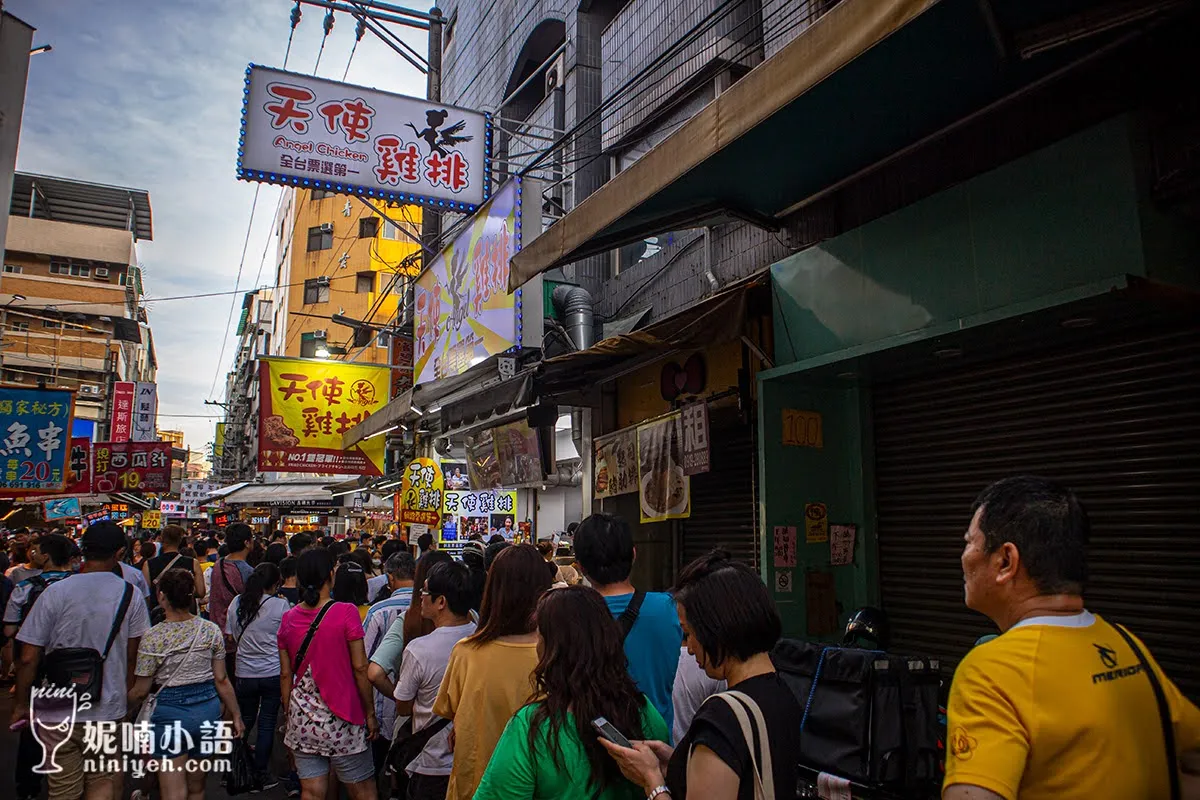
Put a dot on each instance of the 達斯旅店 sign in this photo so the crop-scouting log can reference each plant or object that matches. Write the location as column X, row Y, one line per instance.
column 306, row 131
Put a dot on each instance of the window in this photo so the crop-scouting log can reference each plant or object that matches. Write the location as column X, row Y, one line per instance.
column 67, row 268
column 320, row 237
column 316, row 290
column 51, row 323
column 448, row 31
column 365, row 283
column 12, row 269
column 368, row 227
column 321, row 194
column 308, row 345
column 20, row 326
column 392, row 232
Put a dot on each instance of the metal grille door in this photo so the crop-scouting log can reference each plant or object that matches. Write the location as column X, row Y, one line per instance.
column 1118, row 422
column 724, row 503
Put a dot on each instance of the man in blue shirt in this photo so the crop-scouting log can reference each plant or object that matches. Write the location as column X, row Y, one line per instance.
column 605, row 552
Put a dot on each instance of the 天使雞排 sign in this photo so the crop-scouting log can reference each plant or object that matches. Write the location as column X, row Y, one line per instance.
column 464, row 311
column 306, row 131
column 35, row 436
column 306, row 408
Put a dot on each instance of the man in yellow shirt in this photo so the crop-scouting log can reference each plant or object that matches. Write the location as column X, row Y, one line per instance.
column 1059, row 705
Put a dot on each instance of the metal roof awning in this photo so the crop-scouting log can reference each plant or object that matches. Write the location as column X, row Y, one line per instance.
column 223, row 492
column 82, row 203
column 379, row 423
column 277, row 494
column 865, row 82
column 718, row 319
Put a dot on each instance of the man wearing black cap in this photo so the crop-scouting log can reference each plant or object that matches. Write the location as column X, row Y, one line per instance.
column 82, row 612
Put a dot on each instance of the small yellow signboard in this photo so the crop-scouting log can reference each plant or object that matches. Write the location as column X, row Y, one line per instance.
column 802, row 428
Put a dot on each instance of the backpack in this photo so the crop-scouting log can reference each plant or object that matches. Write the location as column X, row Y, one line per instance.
column 869, row 716
column 38, row 585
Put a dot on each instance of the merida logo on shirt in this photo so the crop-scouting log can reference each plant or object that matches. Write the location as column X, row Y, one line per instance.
column 1108, row 657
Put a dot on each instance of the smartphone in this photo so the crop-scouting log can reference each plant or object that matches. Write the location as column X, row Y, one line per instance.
column 608, row 731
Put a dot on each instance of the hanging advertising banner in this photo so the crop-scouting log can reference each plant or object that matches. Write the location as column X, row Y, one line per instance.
column 79, row 464
column 483, row 469
column 616, row 464
column 468, row 513
column 116, row 511
column 422, row 493
column 66, row 508
column 145, row 412
column 132, row 467
column 121, row 427
column 152, row 519
column 517, row 455
column 35, row 427
column 219, row 441
column 307, row 406
column 456, row 476
column 300, row 130
column 192, row 492
column 464, row 311
column 170, row 508
column 665, row 491
column 402, row 364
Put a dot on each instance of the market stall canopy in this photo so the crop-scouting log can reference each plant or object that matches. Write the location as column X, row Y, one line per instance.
column 720, row 318
column 278, row 494
column 866, row 81
column 223, row 492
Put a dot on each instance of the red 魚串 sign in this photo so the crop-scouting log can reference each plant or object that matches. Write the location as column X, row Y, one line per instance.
column 132, row 467
column 121, row 428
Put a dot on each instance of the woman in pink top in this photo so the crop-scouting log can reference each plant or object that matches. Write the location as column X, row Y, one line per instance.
column 327, row 727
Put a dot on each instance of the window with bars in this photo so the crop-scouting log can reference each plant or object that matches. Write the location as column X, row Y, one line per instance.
column 368, row 227
column 365, row 283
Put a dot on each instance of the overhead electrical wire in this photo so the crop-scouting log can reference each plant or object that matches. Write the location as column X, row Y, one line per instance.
column 236, row 284
column 327, row 23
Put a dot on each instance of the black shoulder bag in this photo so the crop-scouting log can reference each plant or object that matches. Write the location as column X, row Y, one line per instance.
column 1164, row 712
column 630, row 614
column 308, row 637
column 83, row 667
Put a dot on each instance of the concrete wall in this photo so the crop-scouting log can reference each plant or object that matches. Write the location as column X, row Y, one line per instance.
column 16, row 38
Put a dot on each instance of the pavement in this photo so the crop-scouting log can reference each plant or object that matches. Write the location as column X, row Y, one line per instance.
column 8, row 764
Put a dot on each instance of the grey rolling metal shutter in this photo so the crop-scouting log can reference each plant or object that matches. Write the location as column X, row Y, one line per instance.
column 1117, row 421
column 724, row 504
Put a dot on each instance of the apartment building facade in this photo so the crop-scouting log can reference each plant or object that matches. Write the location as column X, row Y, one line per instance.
column 71, row 290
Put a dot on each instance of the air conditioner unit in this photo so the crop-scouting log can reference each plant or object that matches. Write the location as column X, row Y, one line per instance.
column 326, row 227
column 101, row 272
column 556, row 73
column 320, row 334
column 90, row 389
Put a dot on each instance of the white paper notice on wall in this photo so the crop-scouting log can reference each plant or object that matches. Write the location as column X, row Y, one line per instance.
column 841, row 544
column 783, row 580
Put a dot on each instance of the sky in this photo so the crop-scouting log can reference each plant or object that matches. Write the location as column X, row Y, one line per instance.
column 147, row 94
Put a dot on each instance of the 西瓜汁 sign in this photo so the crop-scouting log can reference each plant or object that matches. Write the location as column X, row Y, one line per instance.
column 464, row 311
column 35, row 435
column 306, row 408
column 133, row 467
column 305, row 131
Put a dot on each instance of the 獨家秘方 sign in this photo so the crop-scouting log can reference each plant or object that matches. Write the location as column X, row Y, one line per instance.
column 35, row 437
column 306, row 408
column 305, row 131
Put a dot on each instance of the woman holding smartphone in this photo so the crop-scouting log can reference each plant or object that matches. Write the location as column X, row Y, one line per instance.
column 550, row 748
column 730, row 624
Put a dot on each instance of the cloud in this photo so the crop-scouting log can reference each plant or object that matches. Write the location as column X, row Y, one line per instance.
column 146, row 93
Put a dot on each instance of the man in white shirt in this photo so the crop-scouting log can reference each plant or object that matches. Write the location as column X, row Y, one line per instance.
column 445, row 601
column 80, row 612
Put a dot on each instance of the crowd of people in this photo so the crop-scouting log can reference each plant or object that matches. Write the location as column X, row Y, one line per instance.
column 502, row 675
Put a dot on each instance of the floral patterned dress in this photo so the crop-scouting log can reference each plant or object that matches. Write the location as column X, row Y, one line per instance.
column 313, row 729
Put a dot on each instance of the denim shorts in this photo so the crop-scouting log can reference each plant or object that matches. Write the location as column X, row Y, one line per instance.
column 353, row 768
column 184, row 718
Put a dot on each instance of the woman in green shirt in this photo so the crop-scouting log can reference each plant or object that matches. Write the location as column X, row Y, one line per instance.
column 549, row 748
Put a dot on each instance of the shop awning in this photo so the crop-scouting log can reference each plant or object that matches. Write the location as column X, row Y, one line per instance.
column 867, row 80
column 718, row 319
column 379, row 423
column 223, row 492
column 279, row 494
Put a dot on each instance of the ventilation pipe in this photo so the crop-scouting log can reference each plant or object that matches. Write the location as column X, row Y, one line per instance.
column 574, row 303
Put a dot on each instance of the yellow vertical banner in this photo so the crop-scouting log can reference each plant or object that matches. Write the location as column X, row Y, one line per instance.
column 421, row 493
column 307, row 406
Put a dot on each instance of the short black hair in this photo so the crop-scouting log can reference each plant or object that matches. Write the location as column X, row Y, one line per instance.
column 1047, row 524
column 604, row 548
column 729, row 610
column 424, row 541
column 451, row 580
column 338, row 549
column 389, row 547
column 277, row 536
column 401, row 565
column 209, row 544
column 299, row 542
column 287, row 568
column 276, row 552
column 237, row 536
column 57, row 548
